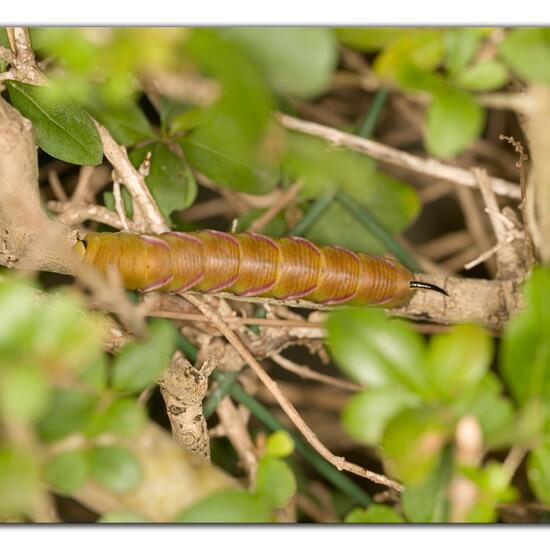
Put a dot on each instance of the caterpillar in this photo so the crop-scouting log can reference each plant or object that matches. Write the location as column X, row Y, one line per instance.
column 250, row 264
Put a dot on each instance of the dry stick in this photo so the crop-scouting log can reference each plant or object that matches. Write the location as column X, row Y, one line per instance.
column 73, row 215
column 208, row 209
column 235, row 430
column 508, row 263
column 307, row 373
column 389, row 155
column 475, row 225
column 57, row 187
column 285, row 199
column 199, row 318
column 83, row 182
column 119, row 205
column 133, row 180
column 339, row 462
column 447, row 244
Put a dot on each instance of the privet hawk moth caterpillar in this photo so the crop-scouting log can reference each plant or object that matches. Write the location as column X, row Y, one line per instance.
column 249, row 264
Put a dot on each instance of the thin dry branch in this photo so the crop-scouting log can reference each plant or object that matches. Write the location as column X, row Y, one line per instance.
column 73, row 215
column 133, row 180
column 389, row 155
column 236, row 431
column 310, row 374
column 285, row 199
column 339, row 462
column 477, row 301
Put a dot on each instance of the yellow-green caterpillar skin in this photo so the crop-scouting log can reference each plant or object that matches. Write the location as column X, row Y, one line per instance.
column 249, row 264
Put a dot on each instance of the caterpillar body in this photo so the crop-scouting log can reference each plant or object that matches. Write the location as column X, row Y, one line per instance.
column 250, row 264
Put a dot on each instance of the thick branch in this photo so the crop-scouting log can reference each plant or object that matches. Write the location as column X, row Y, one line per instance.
column 28, row 239
column 478, row 301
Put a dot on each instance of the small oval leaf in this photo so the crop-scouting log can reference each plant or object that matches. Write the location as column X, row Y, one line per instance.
column 275, row 481
column 140, row 363
column 63, row 129
column 115, row 468
column 454, row 121
column 229, row 506
column 67, row 472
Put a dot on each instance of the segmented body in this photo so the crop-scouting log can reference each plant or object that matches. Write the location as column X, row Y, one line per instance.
column 249, row 264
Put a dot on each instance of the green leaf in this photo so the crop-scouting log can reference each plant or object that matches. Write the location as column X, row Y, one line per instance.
column 412, row 442
column 115, row 468
column 460, row 47
column 124, row 417
column 279, row 444
column 141, row 363
column 483, row 77
column 493, row 485
column 275, row 481
column 6, row 43
column 20, row 316
column 459, row 360
column 95, row 375
column 426, row 502
column 63, row 129
column 68, row 412
column 126, row 122
column 375, row 513
column 67, row 337
column 24, row 393
column 527, row 52
column 376, row 351
column 226, row 146
column 170, row 179
column 366, row 413
column 323, row 168
column 454, row 121
column 67, row 472
column 225, row 169
column 296, row 61
column 538, row 471
column 422, row 48
column 123, row 517
column 229, row 506
column 525, row 350
column 493, row 411
column 368, row 39
column 19, row 481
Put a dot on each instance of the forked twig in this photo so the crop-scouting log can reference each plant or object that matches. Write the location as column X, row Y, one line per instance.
column 339, row 462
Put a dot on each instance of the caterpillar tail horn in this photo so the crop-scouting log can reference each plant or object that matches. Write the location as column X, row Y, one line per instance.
column 428, row 286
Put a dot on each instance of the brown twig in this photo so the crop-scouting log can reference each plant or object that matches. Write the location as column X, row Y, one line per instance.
column 119, row 205
column 198, row 318
column 339, row 462
column 383, row 153
column 285, row 199
column 57, row 187
column 309, row 374
column 237, row 433
column 73, row 215
column 133, row 180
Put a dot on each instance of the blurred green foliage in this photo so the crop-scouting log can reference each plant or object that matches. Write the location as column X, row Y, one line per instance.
column 56, row 382
column 275, row 486
column 416, row 393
